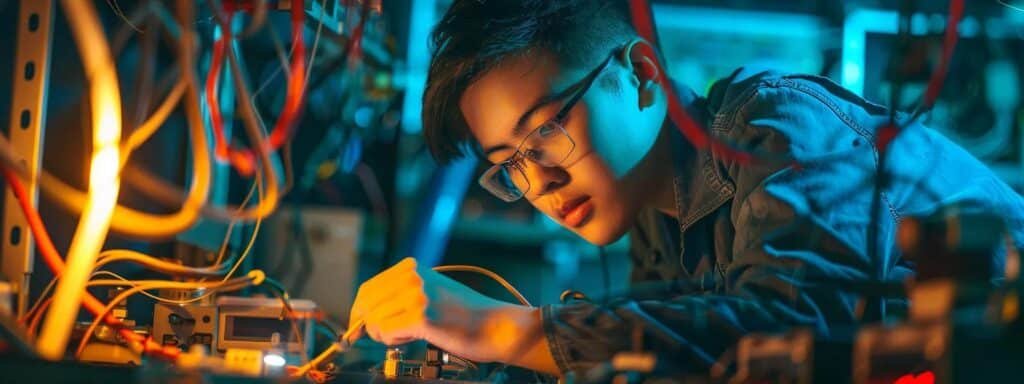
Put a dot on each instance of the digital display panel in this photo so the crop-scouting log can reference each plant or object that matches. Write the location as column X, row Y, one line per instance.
column 257, row 329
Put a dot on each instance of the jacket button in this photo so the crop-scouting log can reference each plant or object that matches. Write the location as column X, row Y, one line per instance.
column 655, row 256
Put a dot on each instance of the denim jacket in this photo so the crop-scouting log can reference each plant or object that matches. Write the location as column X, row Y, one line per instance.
column 755, row 241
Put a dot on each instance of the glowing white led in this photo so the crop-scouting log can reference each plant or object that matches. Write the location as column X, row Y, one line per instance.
column 273, row 360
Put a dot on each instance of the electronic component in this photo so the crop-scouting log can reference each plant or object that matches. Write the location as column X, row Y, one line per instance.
column 264, row 324
column 883, row 354
column 776, row 358
column 237, row 323
column 436, row 365
column 245, row 361
column 392, row 363
column 107, row 346
column 185, row 325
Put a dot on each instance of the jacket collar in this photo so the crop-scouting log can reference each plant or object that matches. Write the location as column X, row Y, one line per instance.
column 700, row 184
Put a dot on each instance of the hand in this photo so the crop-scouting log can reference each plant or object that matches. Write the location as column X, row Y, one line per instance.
column 409, row 302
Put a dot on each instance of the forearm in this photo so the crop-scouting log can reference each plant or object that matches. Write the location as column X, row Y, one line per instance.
column 517, row 333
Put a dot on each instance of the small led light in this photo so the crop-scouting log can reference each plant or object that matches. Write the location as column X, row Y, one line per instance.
column 272, row 360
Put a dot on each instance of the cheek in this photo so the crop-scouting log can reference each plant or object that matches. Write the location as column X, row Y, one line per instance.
column 592, row 176
column 615, row 209
column 618, row 134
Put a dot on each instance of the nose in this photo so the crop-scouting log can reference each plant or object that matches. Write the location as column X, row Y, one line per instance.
column 544, row 180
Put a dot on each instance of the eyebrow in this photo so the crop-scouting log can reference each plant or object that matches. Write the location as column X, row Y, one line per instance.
column 541, row 102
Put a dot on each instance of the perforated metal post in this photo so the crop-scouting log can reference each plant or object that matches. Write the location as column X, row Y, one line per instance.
column 28, row 117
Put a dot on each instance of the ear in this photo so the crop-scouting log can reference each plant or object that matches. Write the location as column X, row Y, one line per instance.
column 640, row 57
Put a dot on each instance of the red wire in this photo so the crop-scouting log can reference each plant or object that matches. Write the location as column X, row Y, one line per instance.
column 293, row 101
column 55, row 262
column 889, row 131
column 37, row 316
column 697, row 135
column 691, row 129
column 212, row 84
column 956, row 12
column 243, row 163
column 355, row 45
column 244, row 159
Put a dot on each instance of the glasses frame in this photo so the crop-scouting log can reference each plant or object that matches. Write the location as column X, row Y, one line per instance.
column 515, row 162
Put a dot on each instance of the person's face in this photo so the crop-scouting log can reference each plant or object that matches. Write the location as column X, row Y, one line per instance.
column 608, row 176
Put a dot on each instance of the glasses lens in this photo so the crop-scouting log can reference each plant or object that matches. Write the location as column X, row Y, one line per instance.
column 549, row 145
column 507, row 182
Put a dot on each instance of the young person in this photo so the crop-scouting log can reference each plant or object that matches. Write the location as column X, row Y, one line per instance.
column 563, row 98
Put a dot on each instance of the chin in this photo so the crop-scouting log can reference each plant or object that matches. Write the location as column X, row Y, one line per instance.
column 602, row 233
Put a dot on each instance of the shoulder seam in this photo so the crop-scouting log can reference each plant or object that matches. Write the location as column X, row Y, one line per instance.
column 726, row 118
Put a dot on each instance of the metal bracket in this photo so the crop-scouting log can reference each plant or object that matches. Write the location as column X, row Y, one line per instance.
column 28, row 119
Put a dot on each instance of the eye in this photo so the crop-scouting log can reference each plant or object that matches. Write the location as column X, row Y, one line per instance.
column 547, row 130
column 516, row 162
column 534, row 154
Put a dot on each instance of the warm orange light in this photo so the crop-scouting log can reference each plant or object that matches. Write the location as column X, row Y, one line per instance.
column 104, row 183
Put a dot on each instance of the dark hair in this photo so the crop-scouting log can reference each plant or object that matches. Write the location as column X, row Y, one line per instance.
column 475, row 35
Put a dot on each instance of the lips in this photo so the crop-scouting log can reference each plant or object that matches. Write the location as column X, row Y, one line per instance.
column 575, row 211
column 570, row 205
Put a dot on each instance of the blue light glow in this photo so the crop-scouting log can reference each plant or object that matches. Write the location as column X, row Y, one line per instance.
column 855, row 30
column 736, row 22
column 415, row 79
column 444, row 212
column 863, row 21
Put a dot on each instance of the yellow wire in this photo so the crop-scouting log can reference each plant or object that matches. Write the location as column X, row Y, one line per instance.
column 255, row 278
column 122, row 281
column 46, row 291
column 486, row 272
column 104, row 178
column 157, row 188
column 256, row 185
column 116, row 255
column 255, row 233
column 302, row 370
column 215, row 269
column 154, row 122
column 125, row 220
column 39, row 301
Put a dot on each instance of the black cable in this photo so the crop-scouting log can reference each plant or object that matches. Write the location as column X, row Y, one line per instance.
column 328, row 328
column 665, row 334
column 605, row 273
column 295, row 241
column 287, row 312
column 342, row 58
column 656, row 290
column 278, row 290
column 875, row 308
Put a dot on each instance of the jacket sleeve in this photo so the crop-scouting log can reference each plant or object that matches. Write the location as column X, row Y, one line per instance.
column 796, row 226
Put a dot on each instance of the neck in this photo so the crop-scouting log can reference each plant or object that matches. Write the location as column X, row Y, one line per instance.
column 664, row 171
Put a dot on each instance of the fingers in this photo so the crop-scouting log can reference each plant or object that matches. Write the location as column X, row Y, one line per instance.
column 391, row 288
column 392, row 305
column 386, row 285
column 404, row 327
column 415, row 303
column 404, row 268
column 397, row 319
